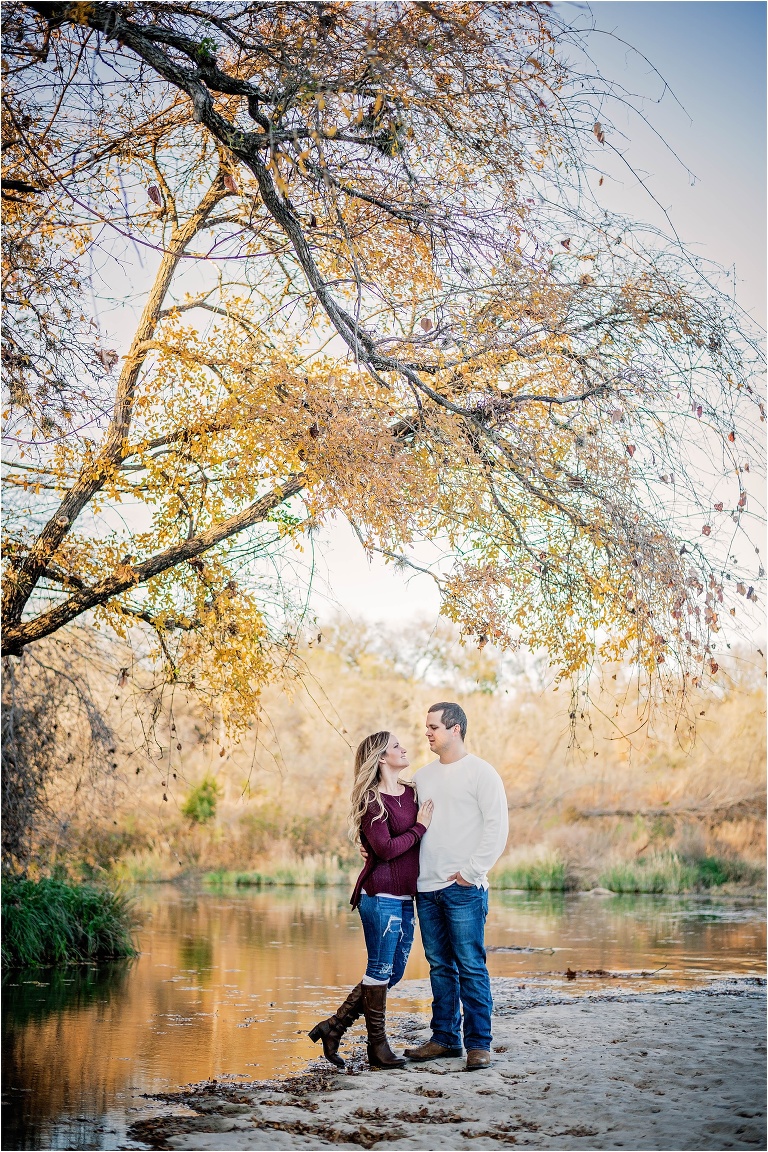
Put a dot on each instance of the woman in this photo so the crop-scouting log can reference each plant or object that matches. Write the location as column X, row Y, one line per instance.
column 386, row 821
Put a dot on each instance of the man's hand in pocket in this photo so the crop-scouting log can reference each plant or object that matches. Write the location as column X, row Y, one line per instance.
column 457, row 876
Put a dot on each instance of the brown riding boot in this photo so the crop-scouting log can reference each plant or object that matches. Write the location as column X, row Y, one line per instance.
column 380, row 1055
column 431, row 1050
column 330, row 1031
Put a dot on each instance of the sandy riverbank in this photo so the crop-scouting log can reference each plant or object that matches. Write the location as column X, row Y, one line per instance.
column 606, row 1069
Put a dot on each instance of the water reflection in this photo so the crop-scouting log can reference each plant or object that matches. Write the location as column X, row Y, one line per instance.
column 50, row 1025
column 228, row 983
column 694, row 938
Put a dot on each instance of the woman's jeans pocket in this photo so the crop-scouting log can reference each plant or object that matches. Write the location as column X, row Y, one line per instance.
column 388, row 926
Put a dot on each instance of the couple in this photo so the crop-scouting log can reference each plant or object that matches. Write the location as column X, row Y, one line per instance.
column 437, row 848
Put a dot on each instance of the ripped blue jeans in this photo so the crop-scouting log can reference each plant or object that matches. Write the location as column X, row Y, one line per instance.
column 388, row 927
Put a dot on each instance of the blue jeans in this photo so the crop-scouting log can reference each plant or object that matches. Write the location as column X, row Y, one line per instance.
column 388, row 929
column 452, row 922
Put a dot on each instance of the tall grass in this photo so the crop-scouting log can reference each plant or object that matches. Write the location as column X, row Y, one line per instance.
column 50, row 922
column 668, row 872
column 546, row 874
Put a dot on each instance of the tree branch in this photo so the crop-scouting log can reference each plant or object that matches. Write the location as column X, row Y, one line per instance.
column 20, row 581
column 125, row 576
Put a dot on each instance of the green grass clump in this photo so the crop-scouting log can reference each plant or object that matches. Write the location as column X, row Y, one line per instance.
column 548, row 874
column 50, row 922
column 716, row 870
column 664, row 872
column 670, row 873
column 251, row 880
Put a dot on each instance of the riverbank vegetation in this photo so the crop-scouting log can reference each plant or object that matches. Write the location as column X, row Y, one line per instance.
column 665, row 872
column 614, row 799
column 51, row 922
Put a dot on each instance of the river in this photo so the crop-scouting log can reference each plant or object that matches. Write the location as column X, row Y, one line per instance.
column 228, row 983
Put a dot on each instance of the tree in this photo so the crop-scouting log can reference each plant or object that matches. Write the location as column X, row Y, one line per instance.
column 382, row 286
column 51, row 726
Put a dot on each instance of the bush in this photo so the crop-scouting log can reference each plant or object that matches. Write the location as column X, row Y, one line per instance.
column 259, row 829
column 299, row 836
column 49, row 922
column 716, row 870
column 200, row 805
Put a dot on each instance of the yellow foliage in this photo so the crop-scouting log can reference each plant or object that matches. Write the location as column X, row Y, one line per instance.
column 371, row 321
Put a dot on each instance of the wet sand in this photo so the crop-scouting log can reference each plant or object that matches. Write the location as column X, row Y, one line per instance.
column 630, row 1069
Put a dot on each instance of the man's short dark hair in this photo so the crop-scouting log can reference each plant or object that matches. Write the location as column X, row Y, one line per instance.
column 451, row 714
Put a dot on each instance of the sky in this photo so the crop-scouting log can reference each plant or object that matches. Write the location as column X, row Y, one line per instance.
column 712, row 57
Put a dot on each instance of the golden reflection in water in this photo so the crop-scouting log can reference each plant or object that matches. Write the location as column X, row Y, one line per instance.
column 231, row 983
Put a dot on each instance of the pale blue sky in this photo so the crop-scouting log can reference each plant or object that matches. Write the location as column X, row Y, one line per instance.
column 712, row 55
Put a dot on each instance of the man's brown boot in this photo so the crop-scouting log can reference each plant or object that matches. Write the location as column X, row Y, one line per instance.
column 380, row 1055
column 330, row 1031
column 477, row 1058
column 431, row 1051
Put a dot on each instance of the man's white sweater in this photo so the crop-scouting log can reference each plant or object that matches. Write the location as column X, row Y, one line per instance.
column 470, row 823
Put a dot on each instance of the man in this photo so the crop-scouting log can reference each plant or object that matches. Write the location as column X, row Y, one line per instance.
column 467, row 835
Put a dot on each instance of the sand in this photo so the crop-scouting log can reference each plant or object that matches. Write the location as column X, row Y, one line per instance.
column 629, row 1069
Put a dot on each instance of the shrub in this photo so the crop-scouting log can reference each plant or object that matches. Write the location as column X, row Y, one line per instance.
column 308, row 836
column 259, row 829
column 200, row 805
column 716, row 870
column 50, row 922
column 99, row 847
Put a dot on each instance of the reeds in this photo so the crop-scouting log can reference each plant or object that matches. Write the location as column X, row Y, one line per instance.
column 50, row 922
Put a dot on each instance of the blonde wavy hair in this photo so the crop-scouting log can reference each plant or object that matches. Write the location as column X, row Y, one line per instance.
column 365, row 789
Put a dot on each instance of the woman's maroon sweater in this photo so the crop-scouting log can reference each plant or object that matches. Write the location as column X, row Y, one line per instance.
column 392, row 844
